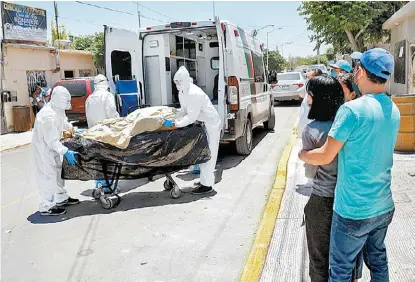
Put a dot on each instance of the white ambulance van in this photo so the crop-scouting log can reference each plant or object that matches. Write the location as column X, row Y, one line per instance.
column 223, row 60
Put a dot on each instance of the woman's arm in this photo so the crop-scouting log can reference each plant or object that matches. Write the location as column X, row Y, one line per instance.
column 309, row 143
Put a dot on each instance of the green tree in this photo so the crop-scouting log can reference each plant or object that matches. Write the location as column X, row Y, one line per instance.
column 63, row 33
column 276, row 61
column 348, row 25
column 330, row 54
column 94, row 44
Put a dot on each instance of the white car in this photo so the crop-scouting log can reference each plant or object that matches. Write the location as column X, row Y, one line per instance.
column 322, row 67
column 290, row 86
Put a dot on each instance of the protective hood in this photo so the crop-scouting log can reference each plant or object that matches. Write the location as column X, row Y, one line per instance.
column 101, row 82
column 61, row 98
column 182, row 80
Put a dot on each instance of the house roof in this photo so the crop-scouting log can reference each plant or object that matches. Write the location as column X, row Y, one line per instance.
column 402, row 14
column 78, row 52
column 48, row 48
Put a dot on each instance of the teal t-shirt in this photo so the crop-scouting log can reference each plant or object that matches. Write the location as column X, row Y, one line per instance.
column 368, row 127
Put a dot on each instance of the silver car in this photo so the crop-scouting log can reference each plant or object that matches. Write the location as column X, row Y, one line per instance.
column 290, row 86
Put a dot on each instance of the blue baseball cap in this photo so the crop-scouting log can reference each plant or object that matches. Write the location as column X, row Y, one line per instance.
column 378, row 61
column 342, row 64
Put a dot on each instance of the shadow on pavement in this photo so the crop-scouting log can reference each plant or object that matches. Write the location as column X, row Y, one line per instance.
column 287, row 104
column 304, row 190
column 131, row 201
column 227, row 157
column 125, row 186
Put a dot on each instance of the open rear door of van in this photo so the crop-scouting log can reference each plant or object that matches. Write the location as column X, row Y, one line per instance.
column 222, row 76
column 123, row 64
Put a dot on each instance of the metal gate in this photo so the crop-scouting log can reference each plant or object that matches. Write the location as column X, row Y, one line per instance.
column 34, row 77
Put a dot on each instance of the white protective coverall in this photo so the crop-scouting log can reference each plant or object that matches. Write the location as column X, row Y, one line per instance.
column 100, row 105
column 48, row 150
column 196, row 106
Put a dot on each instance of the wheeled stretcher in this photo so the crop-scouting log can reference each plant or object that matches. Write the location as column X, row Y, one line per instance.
column 147, row 155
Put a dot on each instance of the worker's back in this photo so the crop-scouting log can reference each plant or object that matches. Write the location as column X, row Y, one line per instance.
column 99, row 106
column 208, row 113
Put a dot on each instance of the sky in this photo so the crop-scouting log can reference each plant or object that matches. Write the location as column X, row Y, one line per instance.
column 81, row 19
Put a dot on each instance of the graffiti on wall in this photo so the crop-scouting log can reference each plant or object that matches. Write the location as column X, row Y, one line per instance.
column 33, row 77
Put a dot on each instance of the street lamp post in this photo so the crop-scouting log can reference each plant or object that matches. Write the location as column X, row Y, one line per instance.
column 282, row 47
column 278, row 28
column 255, row 33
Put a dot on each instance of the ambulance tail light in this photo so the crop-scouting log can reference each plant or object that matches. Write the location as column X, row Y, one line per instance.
column 233, row 97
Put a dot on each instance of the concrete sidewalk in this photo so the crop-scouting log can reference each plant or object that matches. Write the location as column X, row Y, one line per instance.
column 287, row 258
column 14, row 140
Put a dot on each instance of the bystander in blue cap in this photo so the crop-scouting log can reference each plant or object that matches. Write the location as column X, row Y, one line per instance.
column 378, row 61
column 343, row 65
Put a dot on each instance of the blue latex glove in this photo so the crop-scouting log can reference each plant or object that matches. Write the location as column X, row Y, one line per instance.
column 168, row 123
column 70, row 157
column 80, row 131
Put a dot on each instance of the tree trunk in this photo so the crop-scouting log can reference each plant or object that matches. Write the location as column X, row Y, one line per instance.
column 352, row 40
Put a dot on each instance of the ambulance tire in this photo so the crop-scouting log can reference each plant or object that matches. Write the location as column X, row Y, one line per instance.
column 270, row 123
column 244, row 143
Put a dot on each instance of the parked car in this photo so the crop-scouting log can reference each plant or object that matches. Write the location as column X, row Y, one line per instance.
column 80, row 89
column 290, row 86
column 322, row 67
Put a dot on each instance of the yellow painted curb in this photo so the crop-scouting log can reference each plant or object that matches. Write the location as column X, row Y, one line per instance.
column 255, row 263
column 14, row 147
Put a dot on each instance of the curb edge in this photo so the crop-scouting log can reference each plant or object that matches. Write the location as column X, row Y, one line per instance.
column 14, row 147
column 253, row 267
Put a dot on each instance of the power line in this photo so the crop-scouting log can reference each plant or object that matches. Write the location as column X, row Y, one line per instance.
column 105, row 8
column 154, row 11
column 153, row 19
column 89, row 22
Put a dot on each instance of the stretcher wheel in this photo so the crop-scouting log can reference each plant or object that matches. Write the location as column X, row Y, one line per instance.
column 175, row 192
column 108, row 202
column 168, row 185
column 96, row 194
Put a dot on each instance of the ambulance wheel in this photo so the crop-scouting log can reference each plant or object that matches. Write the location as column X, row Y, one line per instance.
column 175, row 193
column 96, row 194
column 270, row 123
column 168, row 185
column 244, row 143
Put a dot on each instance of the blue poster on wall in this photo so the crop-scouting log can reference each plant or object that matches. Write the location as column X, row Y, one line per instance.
column 24, row 23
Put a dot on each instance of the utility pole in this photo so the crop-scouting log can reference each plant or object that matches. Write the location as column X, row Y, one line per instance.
column 138, row 15
column 214, row 12
column 56, row 19
column 267, row 53
column 318, row 51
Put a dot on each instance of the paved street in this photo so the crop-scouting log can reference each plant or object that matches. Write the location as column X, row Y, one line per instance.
column 149, row 237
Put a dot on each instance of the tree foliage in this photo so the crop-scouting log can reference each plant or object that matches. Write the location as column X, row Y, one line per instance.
column 94, row 44
column 276, row 61
column 348, row 25
column 294, row 62
column 63, row 33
